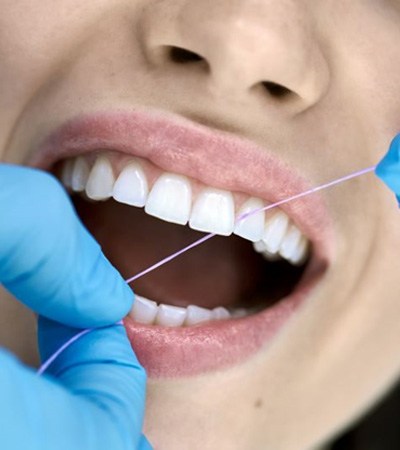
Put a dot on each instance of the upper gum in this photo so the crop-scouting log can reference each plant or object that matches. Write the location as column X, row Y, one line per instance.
column 120, row 161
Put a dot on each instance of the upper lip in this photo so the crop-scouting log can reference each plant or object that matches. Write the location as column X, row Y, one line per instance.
column 216, row 158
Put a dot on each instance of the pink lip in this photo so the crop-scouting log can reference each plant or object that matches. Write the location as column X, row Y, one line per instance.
column 217, row 159
column 187, row 351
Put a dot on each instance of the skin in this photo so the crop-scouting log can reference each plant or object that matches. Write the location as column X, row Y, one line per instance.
column 341, row 61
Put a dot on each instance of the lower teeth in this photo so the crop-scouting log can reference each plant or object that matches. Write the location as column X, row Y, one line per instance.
column 148, row 312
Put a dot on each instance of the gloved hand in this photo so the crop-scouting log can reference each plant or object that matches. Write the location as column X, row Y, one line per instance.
column 95, row 398
column 388, row 170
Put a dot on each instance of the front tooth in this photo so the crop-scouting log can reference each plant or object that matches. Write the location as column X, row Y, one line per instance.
column 252, row 227
column 195, row 314
column 275, row 230
column 80, row 174
column 170, row 316
column 144, row 310
column 131, row 186
column 214, row 212
column 220, row 313
column 101, row 180
column 290, row 242
column 170, row 199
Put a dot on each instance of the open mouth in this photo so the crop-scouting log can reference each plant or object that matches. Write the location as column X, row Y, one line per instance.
column 217, row 303
column 228, row 277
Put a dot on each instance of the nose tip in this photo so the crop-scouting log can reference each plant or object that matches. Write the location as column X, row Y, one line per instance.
column 241, row 52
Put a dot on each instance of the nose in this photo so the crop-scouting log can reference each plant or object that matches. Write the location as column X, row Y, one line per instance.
column 267, row 47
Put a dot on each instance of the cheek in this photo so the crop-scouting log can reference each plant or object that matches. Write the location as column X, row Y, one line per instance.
column 37, row 40
column 365, row 64
column 17, row 329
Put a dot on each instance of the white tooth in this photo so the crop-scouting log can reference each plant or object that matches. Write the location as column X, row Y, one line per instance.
column 270, row 256
column 213, row 212
column 131, row 186
column 252, row 227
column 195, row 314
column 143, row 311
column 170, row 316
column 290, row 242
column 259, row 246
column 101, row 180
column 66, row 172
column 170, row 199
column 275, row 230
column 80, row 174
column 299, row 255
column 220, row 313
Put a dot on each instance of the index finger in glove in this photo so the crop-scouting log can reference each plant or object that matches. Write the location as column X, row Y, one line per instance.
column 48, row 260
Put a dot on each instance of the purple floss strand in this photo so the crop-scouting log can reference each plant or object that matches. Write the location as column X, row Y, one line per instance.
column 200, row 241
column 67, row 344
column 251, row 213
column 55, row 355
column 171, row 257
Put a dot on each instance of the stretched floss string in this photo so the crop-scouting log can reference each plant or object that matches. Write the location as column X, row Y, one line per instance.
column 200, row 241
column 55, row 355
column 67, row 344
column 251, row 213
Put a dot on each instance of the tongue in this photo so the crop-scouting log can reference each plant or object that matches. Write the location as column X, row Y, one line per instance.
column 221, row 272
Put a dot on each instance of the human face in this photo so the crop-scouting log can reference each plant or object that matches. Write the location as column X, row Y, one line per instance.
column 311, row 85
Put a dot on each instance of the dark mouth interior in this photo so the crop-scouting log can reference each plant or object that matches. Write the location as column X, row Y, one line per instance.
column 225, row 271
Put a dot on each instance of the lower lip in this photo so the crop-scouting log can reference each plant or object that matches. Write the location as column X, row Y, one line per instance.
column 187, row 351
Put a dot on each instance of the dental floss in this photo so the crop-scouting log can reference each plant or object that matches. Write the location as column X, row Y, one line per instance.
column 169, row 258
column 250, row 213
column 57, row 353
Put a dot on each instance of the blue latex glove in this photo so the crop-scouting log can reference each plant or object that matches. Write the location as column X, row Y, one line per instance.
column 94, row 398
column 388, row 170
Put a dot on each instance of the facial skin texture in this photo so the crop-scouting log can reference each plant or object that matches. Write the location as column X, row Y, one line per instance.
column 341, row 60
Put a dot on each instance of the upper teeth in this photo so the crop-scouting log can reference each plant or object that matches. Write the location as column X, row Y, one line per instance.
column 213, row 212
column 131, row 186
column 171, row 199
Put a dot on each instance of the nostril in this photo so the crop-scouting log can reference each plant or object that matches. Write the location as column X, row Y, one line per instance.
column 182, row 56
column 276, row 90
